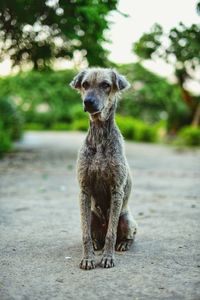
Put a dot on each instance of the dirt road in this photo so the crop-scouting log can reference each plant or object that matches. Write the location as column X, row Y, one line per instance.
column 40, row 225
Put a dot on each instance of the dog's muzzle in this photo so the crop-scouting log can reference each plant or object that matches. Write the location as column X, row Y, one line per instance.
column 90, row 105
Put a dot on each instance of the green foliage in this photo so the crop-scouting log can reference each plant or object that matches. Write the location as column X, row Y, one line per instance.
column 81, row 125
column 133, row 129
column 152, row 98
column 185, row 47
column 11, row 118
column 190, row 136
column 46, row 99
column 58, row 126
column 61, row 126
column 149, row 42
column 47, row 102
column 10, row 124
column 183, row 52
column 39, row 31
column 5, row 140
column 34, row 126
column 43, row 97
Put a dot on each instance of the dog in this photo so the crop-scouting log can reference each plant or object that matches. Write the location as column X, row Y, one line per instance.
column 102, row 169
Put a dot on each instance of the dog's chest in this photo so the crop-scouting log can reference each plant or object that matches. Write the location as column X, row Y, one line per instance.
column 100, row 165
column 101, row 179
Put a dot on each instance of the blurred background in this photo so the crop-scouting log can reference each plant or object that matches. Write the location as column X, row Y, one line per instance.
column 156, row 44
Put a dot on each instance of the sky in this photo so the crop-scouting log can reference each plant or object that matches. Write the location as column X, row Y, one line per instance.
column 142, row 15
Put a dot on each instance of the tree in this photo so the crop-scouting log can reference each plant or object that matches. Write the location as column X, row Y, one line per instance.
column 198, row 7
column 183, row 52
column 154, row 99
column 39, row 31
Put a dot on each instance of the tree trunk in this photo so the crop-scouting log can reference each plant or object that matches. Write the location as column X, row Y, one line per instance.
column 187, row 98
column 196, row 117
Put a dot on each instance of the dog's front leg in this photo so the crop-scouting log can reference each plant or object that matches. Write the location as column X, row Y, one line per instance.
column 87, row 261
column 107, row 260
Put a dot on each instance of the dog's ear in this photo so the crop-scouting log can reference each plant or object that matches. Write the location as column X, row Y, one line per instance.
column 76, row 82
column 120, row 83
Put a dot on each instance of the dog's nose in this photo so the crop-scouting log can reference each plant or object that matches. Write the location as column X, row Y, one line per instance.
column 90, row 104
column 89, row 101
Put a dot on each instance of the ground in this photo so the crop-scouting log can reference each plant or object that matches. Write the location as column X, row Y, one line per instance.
column 40, row 224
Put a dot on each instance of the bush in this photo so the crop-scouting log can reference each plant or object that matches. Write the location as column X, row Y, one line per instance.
column 5, row 140
column 189, row 136
column 61, row 126
column 10, row 124
column 43, row 97
column 47, row 102
column 149, row 134
column 34, row 126
column 46, row 97
column 133, row 129
column 82, row 125
column 152, row 98
column 128, row 127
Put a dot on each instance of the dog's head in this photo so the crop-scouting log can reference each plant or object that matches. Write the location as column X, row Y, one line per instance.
column 98, row 87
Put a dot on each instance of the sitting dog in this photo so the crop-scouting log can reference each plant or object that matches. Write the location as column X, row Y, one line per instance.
column 103, row 172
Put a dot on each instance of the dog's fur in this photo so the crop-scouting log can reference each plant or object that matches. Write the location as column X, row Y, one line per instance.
column 103, row 172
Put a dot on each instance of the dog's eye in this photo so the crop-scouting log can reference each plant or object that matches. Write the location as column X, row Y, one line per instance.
column 105, row 85
column 85, row 85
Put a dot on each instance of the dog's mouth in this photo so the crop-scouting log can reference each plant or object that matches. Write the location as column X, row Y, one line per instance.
column 96, row 112
column 93, row 112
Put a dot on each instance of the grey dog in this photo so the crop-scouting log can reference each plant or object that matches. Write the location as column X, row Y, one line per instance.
column 103, row 172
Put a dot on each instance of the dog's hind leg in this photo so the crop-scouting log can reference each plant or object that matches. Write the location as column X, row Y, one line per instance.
column 126, row 231
column 127, row 227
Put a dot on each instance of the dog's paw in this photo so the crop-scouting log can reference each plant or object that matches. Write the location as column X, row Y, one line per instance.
column 107, row 261
column 87, row 264
column 124, row 245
